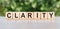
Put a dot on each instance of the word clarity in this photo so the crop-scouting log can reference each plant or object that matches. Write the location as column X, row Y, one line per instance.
column 30, row 15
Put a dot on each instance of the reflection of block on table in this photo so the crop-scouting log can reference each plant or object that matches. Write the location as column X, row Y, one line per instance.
column 44, row 15
column 23, row 15
column 15, row 15
column 36, row 16
column 29, row 15
column 9, row 15
column 51, row 15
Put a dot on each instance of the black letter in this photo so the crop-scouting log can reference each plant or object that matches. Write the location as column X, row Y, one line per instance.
column 29, row 15
column 8, row 15
column 15, row 16
column 22, row 15
column 51, row 14
column 44, row 15
column 37, row 15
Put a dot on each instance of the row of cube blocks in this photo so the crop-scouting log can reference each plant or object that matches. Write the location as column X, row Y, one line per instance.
column 34, row 16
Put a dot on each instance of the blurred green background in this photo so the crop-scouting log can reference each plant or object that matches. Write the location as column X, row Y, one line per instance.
column 29, row 6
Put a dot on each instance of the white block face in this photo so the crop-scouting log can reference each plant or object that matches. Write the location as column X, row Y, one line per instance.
column 15, row 15
column 44, row 15
column 9, row 15
column 51, row 15
column 37, row 16
column 30, row 16
column 23, row 15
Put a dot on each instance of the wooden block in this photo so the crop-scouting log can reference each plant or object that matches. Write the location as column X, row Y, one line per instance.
column 37, row 16
column 23, row 15
column 30, row 16
column 51, row 15
column 15, row 15
column 43, row 15
column 9, row 15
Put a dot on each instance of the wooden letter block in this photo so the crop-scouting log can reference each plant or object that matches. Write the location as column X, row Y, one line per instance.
column 23, row 15
column 15, row 15
column 44, row 15
column 51, row 15
column 30, row 16
column 36, row 16
column 9, row 15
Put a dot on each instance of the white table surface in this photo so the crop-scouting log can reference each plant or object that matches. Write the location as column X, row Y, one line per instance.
column 6, row 24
